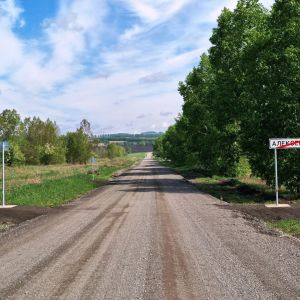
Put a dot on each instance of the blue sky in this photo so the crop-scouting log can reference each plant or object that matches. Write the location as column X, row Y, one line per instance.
column 115, row 62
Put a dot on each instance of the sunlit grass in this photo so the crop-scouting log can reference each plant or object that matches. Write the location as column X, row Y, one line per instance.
column 288, row 226
column 50, row 186
column 234, row 190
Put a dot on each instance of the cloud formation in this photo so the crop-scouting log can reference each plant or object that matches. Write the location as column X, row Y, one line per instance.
column 107, row 62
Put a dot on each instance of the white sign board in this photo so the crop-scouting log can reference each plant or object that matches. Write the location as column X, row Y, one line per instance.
column 5, row 144
column 284, row 143
column 93, row 160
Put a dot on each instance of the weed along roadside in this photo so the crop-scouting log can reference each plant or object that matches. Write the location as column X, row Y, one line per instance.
column 36, row 189
column 248, row 196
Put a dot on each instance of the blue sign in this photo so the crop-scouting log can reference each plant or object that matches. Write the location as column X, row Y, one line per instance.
column 93, row 160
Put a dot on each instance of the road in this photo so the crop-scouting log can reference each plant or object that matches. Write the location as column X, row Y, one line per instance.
column 147, row 235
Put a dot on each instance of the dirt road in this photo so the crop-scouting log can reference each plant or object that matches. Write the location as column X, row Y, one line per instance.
column 147, row 235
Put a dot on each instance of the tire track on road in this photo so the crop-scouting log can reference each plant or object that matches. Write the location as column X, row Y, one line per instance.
column 89, row 253
column 21, row 281
column 175, row 270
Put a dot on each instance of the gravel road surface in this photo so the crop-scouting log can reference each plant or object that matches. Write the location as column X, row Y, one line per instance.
column 147, row 235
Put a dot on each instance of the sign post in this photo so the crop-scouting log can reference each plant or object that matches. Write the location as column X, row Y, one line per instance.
column 276, row 178
column 93, row 161
column 3, row 178
column 281, row 144
column 4, row 147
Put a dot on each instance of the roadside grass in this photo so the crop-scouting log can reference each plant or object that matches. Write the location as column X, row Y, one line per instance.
column 248, row 194
column 242, row 190
column 52, row 186
column 140, row 155
column 287, row 226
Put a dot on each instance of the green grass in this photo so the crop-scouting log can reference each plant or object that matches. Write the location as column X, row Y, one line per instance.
column 288, row 226
column 51, row 193
column 235, row 190
column 243, row 190
column 139, row 155
column 52, row 186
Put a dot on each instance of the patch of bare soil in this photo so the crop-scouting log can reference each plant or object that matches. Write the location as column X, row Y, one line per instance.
column 270, row 214
column 259, row 211
column 10, row 217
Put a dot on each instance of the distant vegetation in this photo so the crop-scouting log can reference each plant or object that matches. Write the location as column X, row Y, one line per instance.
column 37, row 142
column 245, row 90
column 142, row 142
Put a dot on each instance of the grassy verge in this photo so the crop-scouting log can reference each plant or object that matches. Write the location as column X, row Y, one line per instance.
column 243, row 193
column 139, row 155
column 244, row 190
column 287, row 226
column 52, row 186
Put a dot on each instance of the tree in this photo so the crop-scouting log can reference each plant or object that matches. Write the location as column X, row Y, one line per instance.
column 201, row 133
column 115, row 150
column 78, row 147
column 158, row 149
column 230, row 40
column 85, row 126
column 42, row 142
column 272, row 93
column 10, row 123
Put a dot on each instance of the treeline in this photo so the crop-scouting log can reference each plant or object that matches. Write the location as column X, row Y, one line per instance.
column 34, row 141
column 245, row 90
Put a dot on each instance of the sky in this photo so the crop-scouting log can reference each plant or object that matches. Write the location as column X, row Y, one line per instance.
column 116, row 63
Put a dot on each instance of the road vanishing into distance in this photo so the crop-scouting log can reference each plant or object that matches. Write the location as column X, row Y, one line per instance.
column 148, row 234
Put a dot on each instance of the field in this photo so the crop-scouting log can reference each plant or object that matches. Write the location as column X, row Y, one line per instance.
column 52, row 186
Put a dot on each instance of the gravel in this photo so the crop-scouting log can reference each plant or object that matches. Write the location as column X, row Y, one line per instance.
column 147, row 235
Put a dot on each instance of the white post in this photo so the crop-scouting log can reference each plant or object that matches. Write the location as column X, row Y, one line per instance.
column 3, row 179
column 93, row 170
column 276, row 178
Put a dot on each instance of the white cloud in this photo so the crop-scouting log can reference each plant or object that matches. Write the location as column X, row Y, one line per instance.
column 74, row 71
column 155, row 10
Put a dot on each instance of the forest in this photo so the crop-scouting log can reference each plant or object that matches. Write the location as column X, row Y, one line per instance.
column 245, row 90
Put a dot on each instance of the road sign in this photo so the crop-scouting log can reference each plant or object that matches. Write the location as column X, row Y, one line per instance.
column 93, row 160
column 284, row 143
column 4, row 144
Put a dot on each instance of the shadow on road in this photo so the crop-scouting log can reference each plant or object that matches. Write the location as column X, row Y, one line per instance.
column 153, row 178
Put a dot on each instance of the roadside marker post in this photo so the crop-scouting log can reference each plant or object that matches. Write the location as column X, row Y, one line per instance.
column 285, row 143
column 93, row 161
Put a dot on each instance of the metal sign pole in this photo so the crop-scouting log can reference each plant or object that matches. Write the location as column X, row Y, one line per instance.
column 276, row 177
column 3, row 179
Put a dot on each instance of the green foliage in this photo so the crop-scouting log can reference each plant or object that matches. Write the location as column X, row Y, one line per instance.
column 158, row 149
column 243, row 167
column 14, row 157
column 42, row 144
column 115, row 150
column 272, row 93
column 34, row 141
column 50, row 154
column 78, row 147
column 10, row 123
column 244, row 91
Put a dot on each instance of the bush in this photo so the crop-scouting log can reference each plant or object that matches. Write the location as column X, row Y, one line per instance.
column 14, row 157
column 243, row 168
column 115, row 150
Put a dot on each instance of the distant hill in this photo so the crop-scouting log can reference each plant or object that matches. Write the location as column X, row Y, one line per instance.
column 142, row 142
